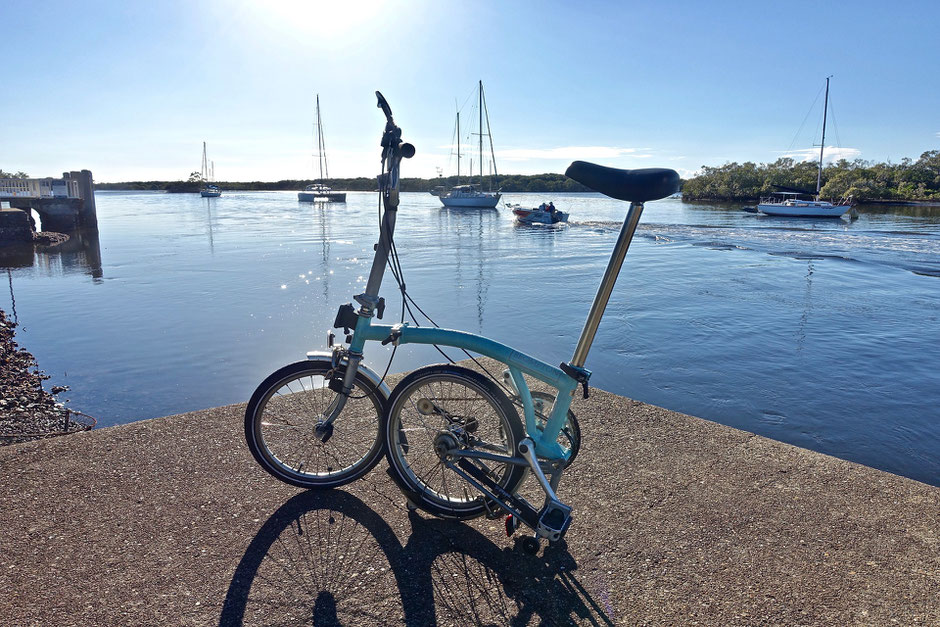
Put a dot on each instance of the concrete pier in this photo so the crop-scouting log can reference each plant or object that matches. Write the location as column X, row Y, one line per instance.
column 63, row 205
column 15, row 226
column 677, row 521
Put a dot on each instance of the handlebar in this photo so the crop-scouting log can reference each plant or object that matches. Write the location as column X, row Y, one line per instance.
column 393, row 151
column 383, row 105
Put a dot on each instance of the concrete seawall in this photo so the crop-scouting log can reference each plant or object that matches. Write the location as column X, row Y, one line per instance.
column 678, row 521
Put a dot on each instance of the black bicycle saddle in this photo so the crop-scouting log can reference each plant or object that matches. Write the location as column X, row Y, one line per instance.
column 631, row 185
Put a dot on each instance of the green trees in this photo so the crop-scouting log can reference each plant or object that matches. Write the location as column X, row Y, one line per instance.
column 9, row 175
column 863, row 180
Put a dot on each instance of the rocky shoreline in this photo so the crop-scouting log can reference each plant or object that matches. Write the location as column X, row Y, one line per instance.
column 27, row 410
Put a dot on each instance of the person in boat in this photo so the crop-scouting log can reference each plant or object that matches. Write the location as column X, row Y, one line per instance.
column 551, row 208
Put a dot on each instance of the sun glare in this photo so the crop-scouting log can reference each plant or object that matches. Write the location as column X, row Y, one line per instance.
column 316, row 18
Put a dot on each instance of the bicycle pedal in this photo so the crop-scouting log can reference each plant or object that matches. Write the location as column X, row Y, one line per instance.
column 554, row 521
column 512, row 523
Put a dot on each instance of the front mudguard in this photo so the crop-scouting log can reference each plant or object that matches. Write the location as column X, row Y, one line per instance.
column 367, row 372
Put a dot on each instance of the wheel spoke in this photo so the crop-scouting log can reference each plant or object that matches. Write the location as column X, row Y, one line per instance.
column 282, row 429
column 469, row 413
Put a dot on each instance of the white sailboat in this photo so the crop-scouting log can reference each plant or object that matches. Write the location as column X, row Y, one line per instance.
column 208, row 174
column 320, row 192
column 470, row 195
column 791, row 205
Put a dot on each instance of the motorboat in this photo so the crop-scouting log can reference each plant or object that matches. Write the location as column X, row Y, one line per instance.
column 543, row 214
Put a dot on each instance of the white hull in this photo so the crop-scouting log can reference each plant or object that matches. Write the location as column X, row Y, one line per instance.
column 484, row 201
column 803, row 209
column 321, row 197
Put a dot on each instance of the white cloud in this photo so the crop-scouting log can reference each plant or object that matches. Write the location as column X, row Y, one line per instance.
column 830, row 155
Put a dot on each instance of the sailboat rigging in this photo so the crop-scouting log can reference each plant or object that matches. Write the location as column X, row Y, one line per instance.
column 209, row 190
column 319, row 191
column 789, row 203
column 469, row 195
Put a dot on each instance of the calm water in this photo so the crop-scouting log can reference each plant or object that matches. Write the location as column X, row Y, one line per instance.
column 824, row 334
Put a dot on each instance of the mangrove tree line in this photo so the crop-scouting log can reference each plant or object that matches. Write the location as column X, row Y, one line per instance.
column 862, row 180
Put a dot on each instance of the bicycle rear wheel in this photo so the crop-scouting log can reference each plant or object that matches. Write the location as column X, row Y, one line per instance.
column 444, row 407
column 281, row 420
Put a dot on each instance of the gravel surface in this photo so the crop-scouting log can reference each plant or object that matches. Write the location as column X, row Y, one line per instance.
column 27, row 410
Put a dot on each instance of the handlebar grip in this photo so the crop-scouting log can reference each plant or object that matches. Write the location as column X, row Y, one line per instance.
column 383, row 105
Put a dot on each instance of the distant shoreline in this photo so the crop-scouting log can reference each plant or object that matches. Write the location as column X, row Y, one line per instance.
column 885, row 202
column 510, row 183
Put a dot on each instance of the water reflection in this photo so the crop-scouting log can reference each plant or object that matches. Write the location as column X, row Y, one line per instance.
column 807, row 308
column 209, row 203
column 325, row 236
column 472, row 228
column 16, row 319
column 80, row 254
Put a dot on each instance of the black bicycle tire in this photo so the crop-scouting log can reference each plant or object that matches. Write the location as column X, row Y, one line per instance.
column 516, row 474
column 292, row 371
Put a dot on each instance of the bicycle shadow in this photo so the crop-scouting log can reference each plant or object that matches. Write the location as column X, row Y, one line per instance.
column 326, row 558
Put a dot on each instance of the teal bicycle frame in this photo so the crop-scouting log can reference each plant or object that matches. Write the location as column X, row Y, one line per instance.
column 545, row 439
column 540, row 449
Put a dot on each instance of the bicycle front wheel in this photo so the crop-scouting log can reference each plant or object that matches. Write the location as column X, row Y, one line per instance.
column 281, row 426
column 445, row 408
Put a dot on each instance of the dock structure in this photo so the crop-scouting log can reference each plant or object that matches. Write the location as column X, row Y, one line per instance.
column 63, row 205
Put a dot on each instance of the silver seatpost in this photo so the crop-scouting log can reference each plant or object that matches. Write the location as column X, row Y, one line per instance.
column 607, row 285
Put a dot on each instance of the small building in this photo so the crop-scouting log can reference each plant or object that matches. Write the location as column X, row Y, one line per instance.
column 39, row 188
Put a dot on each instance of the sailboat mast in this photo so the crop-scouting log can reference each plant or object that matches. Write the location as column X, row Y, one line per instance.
column 319, row 138
column 458, row 148
column 481, row 135
column 205, row 165
column 822, row 144
column 493, row 173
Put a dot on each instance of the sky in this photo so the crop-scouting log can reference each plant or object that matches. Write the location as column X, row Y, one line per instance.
column 131, row 89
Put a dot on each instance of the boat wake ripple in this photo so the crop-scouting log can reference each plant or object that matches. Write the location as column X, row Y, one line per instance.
column 914, row 251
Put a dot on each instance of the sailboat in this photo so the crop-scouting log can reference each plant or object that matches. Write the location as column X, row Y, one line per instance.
column 790, row 204
column 469, row 195
column 208, row 174
column 319, row 192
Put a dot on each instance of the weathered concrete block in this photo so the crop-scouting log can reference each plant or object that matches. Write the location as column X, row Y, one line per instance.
column 14, row 226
